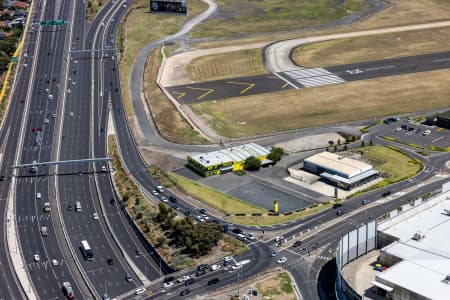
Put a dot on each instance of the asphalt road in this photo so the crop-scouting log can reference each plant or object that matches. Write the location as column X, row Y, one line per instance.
column 267, row 83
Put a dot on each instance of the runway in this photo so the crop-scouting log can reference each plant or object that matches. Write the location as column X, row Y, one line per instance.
column 307, row 77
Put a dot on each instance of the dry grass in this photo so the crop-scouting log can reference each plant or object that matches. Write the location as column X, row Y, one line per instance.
column 93, row 7
column 226, row 65
column 140, row 28
column 169, row 121
column 325, row 105
column 235, row 17
column 277, row 287
column 344, row 51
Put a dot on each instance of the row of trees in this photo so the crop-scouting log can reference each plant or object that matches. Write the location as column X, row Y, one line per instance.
column 196, row 239
column 253, row 164
column 8, row 46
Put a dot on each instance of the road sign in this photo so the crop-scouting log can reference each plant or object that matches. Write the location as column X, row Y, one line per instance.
column 52, row 23
column 14, row 59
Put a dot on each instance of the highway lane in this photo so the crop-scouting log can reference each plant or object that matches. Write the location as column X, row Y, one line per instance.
column 47, row 279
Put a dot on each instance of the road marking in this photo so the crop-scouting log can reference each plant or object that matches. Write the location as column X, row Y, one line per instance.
column 379, row 68
column 438, row 139
column 249, row 85
column 288, row 82
column 208, row 91
column 438, row 60
column 180, row 94
column 284, row 85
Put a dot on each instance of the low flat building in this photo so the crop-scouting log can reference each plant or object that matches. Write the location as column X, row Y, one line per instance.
column 443, row 120
column 340, row 171
column 227, row 160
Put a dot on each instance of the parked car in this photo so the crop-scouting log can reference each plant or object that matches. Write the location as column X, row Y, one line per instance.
column 185, row 292
column 168, row 284
column 200, row 273
column 275, row 253
column 140, row 291
column 202, row 211
column 110, row 261
column 189, row 281
column 297, row 243
column 282, row 260
column 426, row 132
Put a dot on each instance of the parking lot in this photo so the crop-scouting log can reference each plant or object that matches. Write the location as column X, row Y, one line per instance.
column 411, row 132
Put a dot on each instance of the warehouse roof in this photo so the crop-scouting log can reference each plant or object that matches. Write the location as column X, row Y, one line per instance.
column 233, row 154
column 425, row 263
column 339, row 164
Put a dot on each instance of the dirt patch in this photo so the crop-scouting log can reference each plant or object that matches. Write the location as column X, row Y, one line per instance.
column 93, row 7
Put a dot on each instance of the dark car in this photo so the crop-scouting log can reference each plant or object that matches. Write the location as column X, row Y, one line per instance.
column 365, row 201
column 173, row 199
column 213, row 281
column 138, row 252
column 70, row 208
column 297, row 243
column 185, row 292
column 189, row 281
column 340, row 212
column 202, row 267
column 237, row 230
column 176, row 207
column 169, row 279
column 337, row 205
column 202, row 211
column 110, row 261
column 387, row 193
column 187, row 213
column 200, row 273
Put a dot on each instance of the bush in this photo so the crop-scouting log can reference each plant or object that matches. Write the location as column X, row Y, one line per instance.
column 276, row 154
column 252, row 164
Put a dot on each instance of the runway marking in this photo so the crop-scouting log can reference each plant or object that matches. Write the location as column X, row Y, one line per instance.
column 249, row 85
column 288, row 82
column 380, row 68
column 180, row 94
column 208, row 91
column 314, row 77
column 438, row 60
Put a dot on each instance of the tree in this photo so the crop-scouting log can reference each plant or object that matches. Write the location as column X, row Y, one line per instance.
column 276, row 154
column 252, row 164
column 161, row 240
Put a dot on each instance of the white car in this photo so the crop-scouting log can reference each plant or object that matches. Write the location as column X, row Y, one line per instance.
column 282, row 260
column 183, row 278
column 36, row 257
column 227, row 258
column 103, row 168
column 140, row 291
column 95, row 216
column 275, row 253
column 237, row 266
column 155, row 193
column 164, row 199
column 426, row 132
column 54, row 262
column 168, row 284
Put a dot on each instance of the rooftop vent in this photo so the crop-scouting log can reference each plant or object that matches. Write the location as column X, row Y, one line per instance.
column 418, row 236
column 447, row 212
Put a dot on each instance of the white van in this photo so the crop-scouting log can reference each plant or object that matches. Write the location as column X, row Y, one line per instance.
column 44, row 230
column 38, row 196
column 78, row 206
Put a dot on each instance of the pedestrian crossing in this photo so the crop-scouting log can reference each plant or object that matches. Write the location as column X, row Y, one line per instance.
column 313, row 77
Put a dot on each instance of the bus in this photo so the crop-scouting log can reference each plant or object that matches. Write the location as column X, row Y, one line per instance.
column 86, row 250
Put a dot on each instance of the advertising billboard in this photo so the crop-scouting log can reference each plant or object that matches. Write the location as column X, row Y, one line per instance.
column 175, row 6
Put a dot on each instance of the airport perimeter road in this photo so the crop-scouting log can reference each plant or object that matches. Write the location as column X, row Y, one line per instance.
column 39, row 96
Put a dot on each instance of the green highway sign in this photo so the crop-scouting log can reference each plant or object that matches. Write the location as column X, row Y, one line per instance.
column 14, row 59
column 52, row 23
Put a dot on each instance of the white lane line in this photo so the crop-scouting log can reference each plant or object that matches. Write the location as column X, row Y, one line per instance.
column 438, row 60
column 379, row 68
column 438, row 139
column 288, row 82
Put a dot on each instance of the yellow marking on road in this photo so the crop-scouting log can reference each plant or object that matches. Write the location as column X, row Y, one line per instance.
column 208, row 91
column 180, row 94
column 249, row 85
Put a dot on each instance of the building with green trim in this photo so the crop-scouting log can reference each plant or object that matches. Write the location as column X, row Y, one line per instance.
column 227, row 160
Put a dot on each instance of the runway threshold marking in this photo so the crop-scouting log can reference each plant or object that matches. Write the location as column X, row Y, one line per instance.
column 249, row 85
column 180, row 94
column 288, row 82
column 208, row 91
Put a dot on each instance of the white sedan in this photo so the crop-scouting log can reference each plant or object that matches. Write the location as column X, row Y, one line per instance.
column 168, row 284
column 36, row 257
column 282, row 260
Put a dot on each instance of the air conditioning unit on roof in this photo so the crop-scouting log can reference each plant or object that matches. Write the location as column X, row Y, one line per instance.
column 418, row 236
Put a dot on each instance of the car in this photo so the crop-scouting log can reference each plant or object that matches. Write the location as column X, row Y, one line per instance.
column 71, row 113
column 155, row 192
column 189, row 281
column 204, row 217
column 68, row 291
column 426, row 132
column 168, row 284
column 387, row 193
column 236, row 266
column 53, row 116
column 187, row 213
column 50, row 97
column 169, row 279
column 237, row 230
column 176, row 207
column 227, row 258
column 213, row 281
column 202, row 211
column 54, row 262
column 417, row 130
column 249, row 236
column 138, row 252
column 103, row 168
column 140, row 291
column 200, row 273
column 365, row 201
column 297, row 243
column 128, row 278
column 95, row 216
column 46, row 121
column 183, row 278
column 199, row 219
column 214, row 267
column 337, row 205
column 110, row 261
column 185, row 292
column 339, row 212
column 38, row 196
column 202, row 267
column 173, row 199
column 164, row 199
column 112, row 201
column 36, row 257
column 275, row 253
column 397, row 129
column 69, row 207
column 282, row 260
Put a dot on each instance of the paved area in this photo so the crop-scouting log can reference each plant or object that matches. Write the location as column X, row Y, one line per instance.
column 310, row 142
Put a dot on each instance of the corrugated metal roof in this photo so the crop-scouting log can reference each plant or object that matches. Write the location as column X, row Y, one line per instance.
column 343, row 165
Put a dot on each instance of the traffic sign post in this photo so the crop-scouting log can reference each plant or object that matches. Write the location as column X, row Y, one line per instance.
column 52, row 23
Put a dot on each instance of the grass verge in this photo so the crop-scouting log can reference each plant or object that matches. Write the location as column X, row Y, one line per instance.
column 235, row 17
column 392, row 139
column 169, row 121
column 93, row 7
column 227, row 65
column 324, row 105
column 221, row 201
column 139, row 28
column 277, row 287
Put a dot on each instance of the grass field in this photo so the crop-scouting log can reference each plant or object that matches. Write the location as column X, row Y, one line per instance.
column 326, row 105
column 222, row 202
column 93, row 7
column 235, row 17
column 375, row 47
column 168, row 119
column 391, row 162
column 277, row 287
column 226, row 65
column 140, row 28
